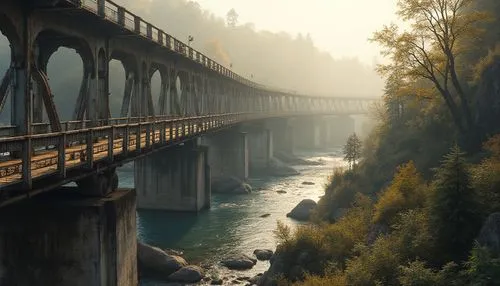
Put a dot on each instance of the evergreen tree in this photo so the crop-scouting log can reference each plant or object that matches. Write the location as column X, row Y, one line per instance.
column 352, row 150
column 454, row 210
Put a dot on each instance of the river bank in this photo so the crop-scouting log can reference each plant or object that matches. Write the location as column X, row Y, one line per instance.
column 234, row 224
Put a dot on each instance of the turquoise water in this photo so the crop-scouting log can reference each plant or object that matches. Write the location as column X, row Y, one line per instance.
column 233, row 224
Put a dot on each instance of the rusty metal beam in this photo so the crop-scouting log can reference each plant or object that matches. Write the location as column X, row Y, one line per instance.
column 48, row 100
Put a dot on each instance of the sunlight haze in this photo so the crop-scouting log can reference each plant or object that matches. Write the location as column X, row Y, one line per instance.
column 337, row 26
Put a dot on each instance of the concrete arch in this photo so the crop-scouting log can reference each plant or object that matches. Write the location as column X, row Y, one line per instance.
column 161, row 103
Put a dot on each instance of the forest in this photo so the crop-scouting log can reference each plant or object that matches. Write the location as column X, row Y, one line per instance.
column 422, row 205
column 281, row 60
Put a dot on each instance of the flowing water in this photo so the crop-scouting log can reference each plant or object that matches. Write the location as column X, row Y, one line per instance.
column 234, row 224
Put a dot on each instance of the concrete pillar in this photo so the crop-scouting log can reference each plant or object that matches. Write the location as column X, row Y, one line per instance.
column 282, row 131
column 62, row 240
column 260, row 149
column 175, row 179
column 228, row 154
column 307, row 132
column 340, row 127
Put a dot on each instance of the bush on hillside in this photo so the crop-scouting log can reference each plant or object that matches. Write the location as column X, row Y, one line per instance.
column 406, row 191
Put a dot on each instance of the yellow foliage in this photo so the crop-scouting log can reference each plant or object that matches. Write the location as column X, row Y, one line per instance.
column 405, row 192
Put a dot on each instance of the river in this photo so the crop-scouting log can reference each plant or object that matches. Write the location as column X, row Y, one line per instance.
column 234, row 224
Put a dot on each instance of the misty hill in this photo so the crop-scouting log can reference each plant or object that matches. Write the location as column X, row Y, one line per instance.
column 281, row 60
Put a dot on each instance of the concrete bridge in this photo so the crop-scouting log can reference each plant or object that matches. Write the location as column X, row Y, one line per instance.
column 208, row 122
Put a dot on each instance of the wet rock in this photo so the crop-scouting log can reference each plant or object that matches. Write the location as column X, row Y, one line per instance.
column 303, row 210
column 239, row 262
column 308, row 183
column 154, row 262
column 170, row 251
column 281, row 192
column 265, row 215
column 255, row 279
column 217, row 281
column 230, row 185
column 187, row 274
column 489, row 235
column 263, row 254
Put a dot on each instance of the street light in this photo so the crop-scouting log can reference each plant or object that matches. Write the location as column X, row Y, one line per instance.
column 190, row 39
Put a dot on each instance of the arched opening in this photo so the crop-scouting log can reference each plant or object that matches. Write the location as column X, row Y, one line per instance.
column 5, row 62
column 156, row 86
column 64, row 68
column 117, row 79
column 65, row 73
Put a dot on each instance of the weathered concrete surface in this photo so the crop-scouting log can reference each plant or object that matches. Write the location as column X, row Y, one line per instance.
column 70, row 240
column 176, row 179
column 228, row 154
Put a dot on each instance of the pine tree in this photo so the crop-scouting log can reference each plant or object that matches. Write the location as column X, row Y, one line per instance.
column 352, row 150
column 454, row 209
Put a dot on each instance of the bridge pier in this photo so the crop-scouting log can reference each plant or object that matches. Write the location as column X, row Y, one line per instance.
column 307, row 133
column 339, row 128
column 283, row 135
column 175, row 179
column 260, row 147
column 63, row 239
column 228, row 154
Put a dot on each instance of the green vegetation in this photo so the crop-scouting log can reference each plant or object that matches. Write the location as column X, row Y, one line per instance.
column 352, row 150
column 410, row 213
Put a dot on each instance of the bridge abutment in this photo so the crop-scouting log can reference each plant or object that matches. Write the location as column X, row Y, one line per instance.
column 70, row 240
column 175, row 179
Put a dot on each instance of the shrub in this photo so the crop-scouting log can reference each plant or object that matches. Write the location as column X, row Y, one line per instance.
column 417, row 274
column 406, row 191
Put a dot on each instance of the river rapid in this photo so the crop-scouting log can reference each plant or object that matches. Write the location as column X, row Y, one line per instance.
column 234, row 224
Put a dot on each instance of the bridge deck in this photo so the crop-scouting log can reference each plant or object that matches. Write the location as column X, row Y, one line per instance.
column 46, row 161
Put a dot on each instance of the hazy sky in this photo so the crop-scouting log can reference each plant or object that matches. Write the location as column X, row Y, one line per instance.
column 340, row 27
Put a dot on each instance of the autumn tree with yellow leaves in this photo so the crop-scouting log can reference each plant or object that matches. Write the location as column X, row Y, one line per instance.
column 430, row 49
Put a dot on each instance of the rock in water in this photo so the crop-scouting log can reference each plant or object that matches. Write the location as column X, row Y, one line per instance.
column 230, row 185
column 489, row 235
column 308, row 183
column 280, row 169
column 152, row 261
column 187, row 274
column 281, row 192
column 263, row 254
column 265, row 215
column 303, row 210
column 239, row 262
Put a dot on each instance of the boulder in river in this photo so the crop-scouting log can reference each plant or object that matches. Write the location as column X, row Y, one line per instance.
column 303, row 210
column 263, row 254
column 230, row 185
column 308, row 183
column 153, row 261
column 281, row 192
column 265, row 215
column 187, row 274
column 239, row 262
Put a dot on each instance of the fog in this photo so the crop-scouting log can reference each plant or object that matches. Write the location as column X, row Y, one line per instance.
column 289, row 61
column 277, row 59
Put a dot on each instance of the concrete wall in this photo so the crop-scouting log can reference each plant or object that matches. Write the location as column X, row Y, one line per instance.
column 70, row 241
column 173, row 179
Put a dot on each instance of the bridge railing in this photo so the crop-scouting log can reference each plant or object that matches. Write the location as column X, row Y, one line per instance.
column 23, row 158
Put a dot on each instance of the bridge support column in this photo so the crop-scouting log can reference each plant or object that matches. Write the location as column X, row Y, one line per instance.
column 175, row 179
column 228, row 154
column 260, row 143
column 283, row 135
column 63, row 239
column 307, row 133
